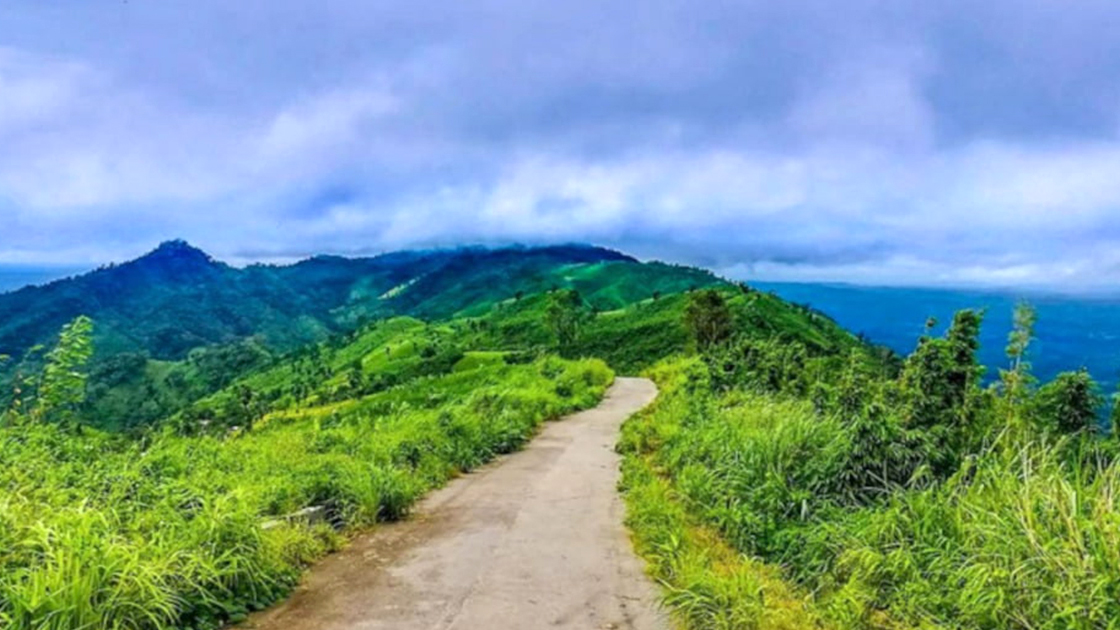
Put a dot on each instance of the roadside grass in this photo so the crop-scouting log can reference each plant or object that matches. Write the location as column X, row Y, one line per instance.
column 707, row 583
column 99, row 531
column 736, row 501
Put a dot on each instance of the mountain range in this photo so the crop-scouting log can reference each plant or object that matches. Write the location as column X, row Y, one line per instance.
column 176, row 325
column 177, row 297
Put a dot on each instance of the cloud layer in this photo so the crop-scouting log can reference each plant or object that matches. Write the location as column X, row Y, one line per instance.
column 912, row 143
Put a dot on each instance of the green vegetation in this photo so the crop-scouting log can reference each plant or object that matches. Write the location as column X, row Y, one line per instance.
column 175, row 326
column 771, row 486
column 788, row 476
column 636, row 336
column 100, row 530
column 135, row 490
column 177, row 298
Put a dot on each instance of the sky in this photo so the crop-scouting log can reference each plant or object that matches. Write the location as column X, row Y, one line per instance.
column 883, row 142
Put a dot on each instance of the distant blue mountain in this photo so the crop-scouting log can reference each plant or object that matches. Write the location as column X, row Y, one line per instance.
column 14, row 277
column 1072, row 332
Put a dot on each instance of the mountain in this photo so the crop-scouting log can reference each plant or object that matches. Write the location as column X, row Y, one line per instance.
column 1071, row 332
column 178, row 298
column 13, row 277
column 176, row 325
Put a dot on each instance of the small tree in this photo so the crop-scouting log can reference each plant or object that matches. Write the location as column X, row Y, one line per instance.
column 708, row 319
column 1070, row 402
column 1114, row 413
column 1017, row 379
column 565, row 315
column 939, row 376
column 63, row 382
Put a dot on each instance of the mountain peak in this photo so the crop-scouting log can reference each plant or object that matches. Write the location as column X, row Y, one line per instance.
column 178, row 247
column 176, row 256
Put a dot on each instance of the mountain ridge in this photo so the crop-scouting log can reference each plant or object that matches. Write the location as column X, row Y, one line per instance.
column 177, row 297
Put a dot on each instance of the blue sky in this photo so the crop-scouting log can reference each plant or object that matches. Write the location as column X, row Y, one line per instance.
column 930, row 143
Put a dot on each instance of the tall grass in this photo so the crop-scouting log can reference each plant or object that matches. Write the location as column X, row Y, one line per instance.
column 102, row 532
column 1025, row 534
column 1016, row 539
column 707, row 582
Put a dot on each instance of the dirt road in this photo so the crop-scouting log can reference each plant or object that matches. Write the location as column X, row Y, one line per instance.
column 534, row 540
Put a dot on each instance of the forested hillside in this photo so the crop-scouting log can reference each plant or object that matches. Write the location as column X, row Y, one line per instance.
column 178, row 298
column 176, row 325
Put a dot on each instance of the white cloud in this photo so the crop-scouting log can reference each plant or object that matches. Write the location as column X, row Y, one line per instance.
column 34, row 90
column 324, row 121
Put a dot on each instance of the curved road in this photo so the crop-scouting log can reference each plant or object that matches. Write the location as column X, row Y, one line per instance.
column 533, row 540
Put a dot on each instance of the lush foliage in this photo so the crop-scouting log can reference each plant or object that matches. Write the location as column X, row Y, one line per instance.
column 176, row 326
column 708, row 319
column 865, row 499
column 161, row 525
column 177, row 298
column 100, row 530
column 789, row 475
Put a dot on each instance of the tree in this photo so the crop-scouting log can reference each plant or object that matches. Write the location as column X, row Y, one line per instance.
column 964, row 341
column 1017, row 378
column 55, row 391
column 565, row 315
column 941, row 373
column 1114, row 415
column 63, row 382
column 708, row 319
column 1070, row 402
column 1022, row 332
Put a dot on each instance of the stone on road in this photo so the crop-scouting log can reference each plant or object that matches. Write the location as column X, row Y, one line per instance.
column 533, row 540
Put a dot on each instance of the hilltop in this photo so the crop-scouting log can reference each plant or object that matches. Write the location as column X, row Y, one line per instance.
column 177, row 297
column 177, row 325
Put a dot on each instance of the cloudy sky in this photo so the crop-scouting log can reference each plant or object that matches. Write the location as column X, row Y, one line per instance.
column 949, row 142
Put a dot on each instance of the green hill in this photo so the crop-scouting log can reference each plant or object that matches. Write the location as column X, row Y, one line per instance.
column 176, row 325
column 177, row 298
column 389, row 352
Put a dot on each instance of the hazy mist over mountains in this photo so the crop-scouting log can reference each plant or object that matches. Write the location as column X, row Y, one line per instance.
column 13, row 277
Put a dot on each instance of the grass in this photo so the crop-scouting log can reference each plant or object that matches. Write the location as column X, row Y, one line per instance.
column 1019, row 539
column 707, row 583
column 736, row 501
column 98, row 531
column 474, row 360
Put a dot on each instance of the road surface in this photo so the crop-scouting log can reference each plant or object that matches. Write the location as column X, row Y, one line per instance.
column 533, row 540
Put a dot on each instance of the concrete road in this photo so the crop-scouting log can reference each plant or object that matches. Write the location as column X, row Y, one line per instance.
column 534, row 540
